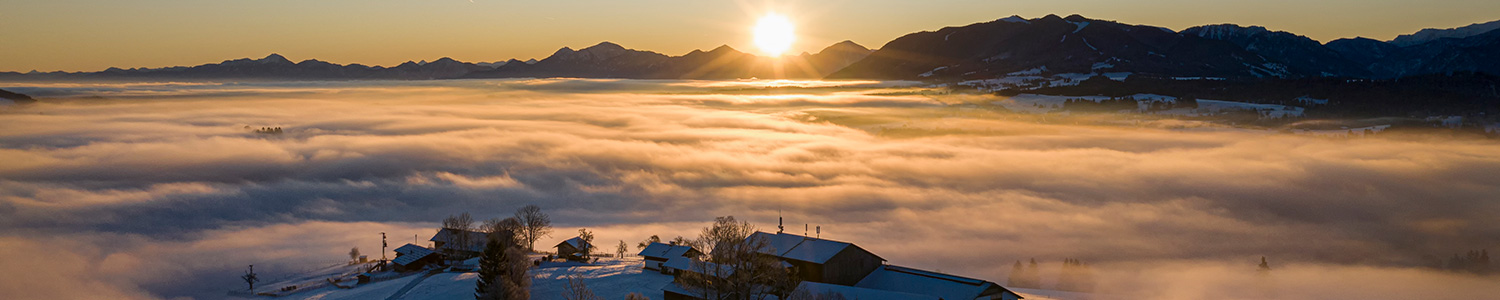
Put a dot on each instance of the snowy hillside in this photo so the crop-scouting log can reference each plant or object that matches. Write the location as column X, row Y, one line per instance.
column 610, row 278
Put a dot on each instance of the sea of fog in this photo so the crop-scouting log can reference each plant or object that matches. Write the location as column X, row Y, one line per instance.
column 162, row 190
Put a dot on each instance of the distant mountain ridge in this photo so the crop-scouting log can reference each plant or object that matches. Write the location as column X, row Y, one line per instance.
column 604, row 60
column 1075, row 44
column 1011, row 46
column 1431, row 34
column 609, row 60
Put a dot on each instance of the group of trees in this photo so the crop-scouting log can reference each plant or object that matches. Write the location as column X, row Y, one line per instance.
column 1025, row 278
column 1075, row 276
column 503, row 264
column 735, row 268
column 1474, row 262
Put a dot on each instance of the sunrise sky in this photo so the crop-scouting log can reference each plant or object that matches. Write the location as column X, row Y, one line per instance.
column 90, row 35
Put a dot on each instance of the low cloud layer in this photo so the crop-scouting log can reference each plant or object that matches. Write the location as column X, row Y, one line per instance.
column 904, row 173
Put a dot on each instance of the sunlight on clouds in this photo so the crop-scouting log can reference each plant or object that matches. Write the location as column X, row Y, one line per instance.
column 900, row 172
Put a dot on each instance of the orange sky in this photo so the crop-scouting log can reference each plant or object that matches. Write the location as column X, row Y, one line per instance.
column 90, row 35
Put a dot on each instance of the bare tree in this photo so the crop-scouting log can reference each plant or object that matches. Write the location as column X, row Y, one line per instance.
column 459, row 227
column 588, row 242
column 251, row 278
column 620, row 250
column 354, row 254
column 535, row 225
column 736, row 269
column 510, row 226
column 636, row 296
column 577, row 290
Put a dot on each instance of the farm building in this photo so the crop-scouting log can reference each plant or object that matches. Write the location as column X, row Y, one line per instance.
column 820, row 260
column 412, row 257
column 657, row 253
column 459, row 244
column 573, row 249
column 824, row 291
column 949, row 287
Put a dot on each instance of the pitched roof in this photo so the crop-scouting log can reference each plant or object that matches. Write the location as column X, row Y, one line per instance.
column 692, row 265
column 665, row 250
column 576, row 243
column 449, row 237
column 908, row 280
column 808, row 249
column 410, row 253
column 850, row 292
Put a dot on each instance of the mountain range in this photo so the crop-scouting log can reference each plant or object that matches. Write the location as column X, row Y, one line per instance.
column 1075, row 44
column 1009, row 46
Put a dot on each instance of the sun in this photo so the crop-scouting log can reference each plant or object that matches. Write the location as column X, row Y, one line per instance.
column 774, row 34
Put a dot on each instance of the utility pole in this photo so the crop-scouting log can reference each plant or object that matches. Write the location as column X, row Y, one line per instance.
column 382, row 246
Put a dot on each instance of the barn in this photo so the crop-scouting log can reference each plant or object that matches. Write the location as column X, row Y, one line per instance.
column 411, row 257
column 573, row 249
column 820, row 260
column 949, row 287
column 657, row 253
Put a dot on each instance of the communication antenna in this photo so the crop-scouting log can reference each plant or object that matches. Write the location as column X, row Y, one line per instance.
column 382, row 246
column 779, row 222
column 820, row 232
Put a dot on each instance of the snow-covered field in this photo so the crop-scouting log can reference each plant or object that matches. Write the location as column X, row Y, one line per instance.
column 610, row 278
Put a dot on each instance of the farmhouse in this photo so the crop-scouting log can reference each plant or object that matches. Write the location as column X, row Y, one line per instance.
column 459, row 244
column 573, row 249
column 657, row 253
column 412, row 257
column 820, row 260
column 845, row 269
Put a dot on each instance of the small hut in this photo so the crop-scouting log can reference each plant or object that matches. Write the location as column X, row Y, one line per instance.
column 574, row 249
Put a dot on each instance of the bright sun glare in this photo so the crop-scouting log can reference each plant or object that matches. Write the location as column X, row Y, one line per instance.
column 773, row 34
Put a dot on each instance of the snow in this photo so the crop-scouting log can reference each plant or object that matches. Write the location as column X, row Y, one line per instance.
column 1081, row 25
column 1016, row 19
column 929, row 73
column 1311, row 100
column 374, row 290
column 611, row 278
column 1091, row 46
column 900, row 279
column 1030, row 72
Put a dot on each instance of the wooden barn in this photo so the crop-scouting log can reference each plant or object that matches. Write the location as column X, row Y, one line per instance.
column 573, row 249
column 658, row 253
column 411, row 257
column 820, row 260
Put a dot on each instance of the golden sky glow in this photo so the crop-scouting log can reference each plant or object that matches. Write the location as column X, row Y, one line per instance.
column 774, row 34
column 90, row 35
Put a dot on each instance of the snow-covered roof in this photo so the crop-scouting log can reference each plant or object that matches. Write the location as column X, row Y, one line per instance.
column 949, row 287
column 691, row 265
column 449, row 238
column 576, row 243
column 410, row 253
column 665, row 251
column 808, row 249
column 410, row 248
column 850, row 292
